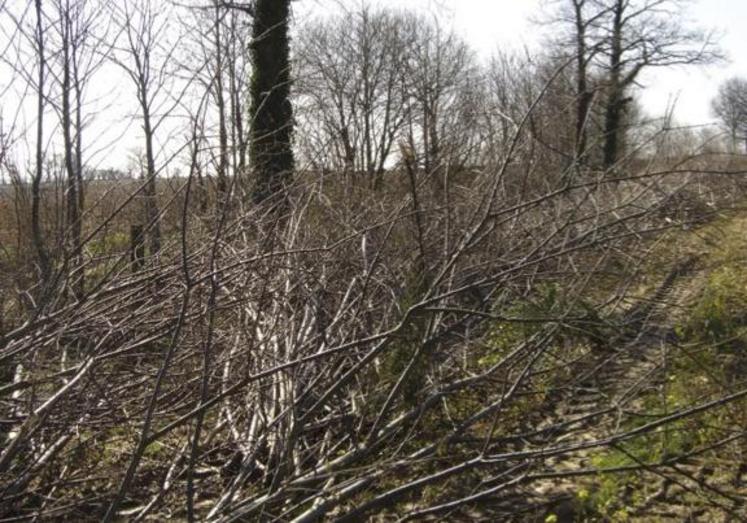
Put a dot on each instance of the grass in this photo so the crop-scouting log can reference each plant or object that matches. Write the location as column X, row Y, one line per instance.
column 711, row 336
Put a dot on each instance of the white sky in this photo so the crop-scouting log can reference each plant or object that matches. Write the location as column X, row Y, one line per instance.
column 489, row 24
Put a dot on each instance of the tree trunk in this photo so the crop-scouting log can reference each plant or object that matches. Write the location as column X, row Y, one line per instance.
column 612, row 120
column 151, row 196
column 36, row 232
column 583, row 100
column 613, row 112
column 137, row 248
column 73, row 213
column 221, row 103
column 271, row 111
column 237, row 109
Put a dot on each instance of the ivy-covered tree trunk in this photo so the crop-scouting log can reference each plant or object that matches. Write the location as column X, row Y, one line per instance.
column 614, row 109
column 584, row 97
column 271, row 111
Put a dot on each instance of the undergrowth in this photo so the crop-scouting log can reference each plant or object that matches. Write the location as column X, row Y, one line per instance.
column 708, row 356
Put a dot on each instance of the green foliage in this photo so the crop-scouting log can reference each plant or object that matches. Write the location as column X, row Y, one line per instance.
column 408, row 344
column 720, row 315
column 613, row 494
column 579, row 321
column 114, row 243
column 398, row 358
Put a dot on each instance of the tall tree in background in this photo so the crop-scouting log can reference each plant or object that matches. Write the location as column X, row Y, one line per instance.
column 579, row 39
column 441, row 74
column 730, row 106
column 618, row 83
column 353, row 88
column 142, row 30
column 583, row 23
column 74, row 188
column 610, row 43
column 220, row 102
column 271, row 112
column 637, row 35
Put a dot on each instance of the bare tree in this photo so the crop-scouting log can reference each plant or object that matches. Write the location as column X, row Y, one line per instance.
column 542, row 88
column 237, row 63
column 508, row 75
column 352, row 85
column 730, row 107
column 79, row 24
column 146, row 57
column 220, row 101
column 581, row 21
column 637, row 35
column 611, row 43
column 441, row 75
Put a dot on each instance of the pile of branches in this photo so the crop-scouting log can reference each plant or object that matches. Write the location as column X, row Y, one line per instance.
column 332, row 358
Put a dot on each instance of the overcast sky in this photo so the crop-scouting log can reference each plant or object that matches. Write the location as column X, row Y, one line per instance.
column 489, row 24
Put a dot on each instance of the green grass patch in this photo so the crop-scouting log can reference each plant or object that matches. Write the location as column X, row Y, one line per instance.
column 579, row 321
column 719, row 316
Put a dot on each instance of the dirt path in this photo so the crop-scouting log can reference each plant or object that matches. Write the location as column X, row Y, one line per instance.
column 684, row 490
